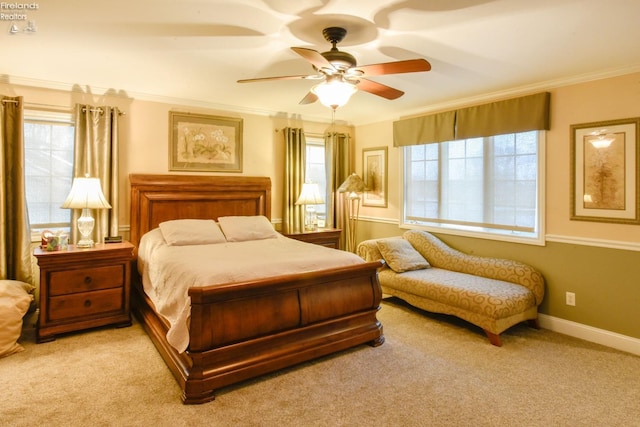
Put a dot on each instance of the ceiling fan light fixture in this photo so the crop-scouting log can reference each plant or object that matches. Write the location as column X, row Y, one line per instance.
column 342, row 75
column 334, row 93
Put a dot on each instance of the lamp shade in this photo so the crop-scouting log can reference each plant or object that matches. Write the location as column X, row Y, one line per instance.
column 334, row 93
column 86, row 193
column 310, row 195
column 353, row 184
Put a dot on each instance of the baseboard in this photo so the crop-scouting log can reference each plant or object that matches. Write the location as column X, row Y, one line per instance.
column 589, row 333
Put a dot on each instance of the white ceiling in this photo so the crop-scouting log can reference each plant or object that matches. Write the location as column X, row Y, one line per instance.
column 195, row 50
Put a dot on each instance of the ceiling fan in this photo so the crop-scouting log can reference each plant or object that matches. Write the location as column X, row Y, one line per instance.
column 339, row 70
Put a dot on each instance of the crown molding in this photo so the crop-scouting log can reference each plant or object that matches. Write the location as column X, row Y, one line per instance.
column 440, row 106
column 76, row 88
column 523, row 90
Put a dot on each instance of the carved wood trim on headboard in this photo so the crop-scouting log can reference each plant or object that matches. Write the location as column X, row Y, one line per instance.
column 158, row 198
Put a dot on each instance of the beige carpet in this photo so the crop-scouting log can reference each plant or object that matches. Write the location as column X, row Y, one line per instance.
column 432, row 371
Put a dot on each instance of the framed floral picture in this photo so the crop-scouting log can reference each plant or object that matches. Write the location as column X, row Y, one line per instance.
column 199, row 142
column 374, row 165
column 605, row 184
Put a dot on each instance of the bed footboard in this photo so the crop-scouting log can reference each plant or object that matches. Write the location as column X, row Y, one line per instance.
column 243, row 330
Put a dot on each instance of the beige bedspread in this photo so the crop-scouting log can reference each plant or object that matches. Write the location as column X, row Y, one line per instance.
column 169, row 271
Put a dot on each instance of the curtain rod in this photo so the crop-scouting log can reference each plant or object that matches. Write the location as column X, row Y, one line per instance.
column 40, row 106
column 47, row 107
column 306, row 133
column 100, row 111
column 59, row 108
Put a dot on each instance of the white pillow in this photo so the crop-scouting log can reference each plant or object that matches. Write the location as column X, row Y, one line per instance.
column 15, row 299
column 243, row 228
column 181, row 232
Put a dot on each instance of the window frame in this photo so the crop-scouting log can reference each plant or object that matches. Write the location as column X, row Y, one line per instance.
column 318, row 141
column 48, row 117
column 535, row 238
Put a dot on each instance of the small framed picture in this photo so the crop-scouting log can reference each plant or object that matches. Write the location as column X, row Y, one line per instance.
column 198, row 142
column 374, row 164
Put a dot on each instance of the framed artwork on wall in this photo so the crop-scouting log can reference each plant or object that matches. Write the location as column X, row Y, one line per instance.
column 199, row 142
column 374, row 172
column 605, row 184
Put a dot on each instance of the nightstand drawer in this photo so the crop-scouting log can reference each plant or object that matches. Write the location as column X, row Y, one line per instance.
column 328, row 237
column 85, row 304
column 89, row 279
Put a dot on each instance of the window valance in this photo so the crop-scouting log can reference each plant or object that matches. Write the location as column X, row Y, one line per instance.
column 495, row 118
column 425, row 129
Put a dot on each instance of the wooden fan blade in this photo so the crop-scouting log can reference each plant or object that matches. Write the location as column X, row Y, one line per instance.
column 264, row 79
column 315, row 58
column 309, row 98
column 398, row 67
column 379, row 89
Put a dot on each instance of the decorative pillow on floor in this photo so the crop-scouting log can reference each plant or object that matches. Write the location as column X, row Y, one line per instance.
column 15, row 299
column 401, row 256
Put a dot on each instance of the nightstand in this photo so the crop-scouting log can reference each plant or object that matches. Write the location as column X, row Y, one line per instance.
column 83, row 288
column 329, row 237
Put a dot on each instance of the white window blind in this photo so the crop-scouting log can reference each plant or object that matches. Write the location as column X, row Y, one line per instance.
column 48, row 141
column 487, row 184
column 315, row 170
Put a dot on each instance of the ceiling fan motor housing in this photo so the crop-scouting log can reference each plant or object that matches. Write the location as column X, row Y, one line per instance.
column 340, row 60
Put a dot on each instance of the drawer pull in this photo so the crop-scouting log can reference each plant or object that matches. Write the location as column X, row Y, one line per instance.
column 87, row 303
column 87, row 280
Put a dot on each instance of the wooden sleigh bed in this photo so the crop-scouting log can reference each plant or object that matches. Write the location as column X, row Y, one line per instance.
column 239, row 331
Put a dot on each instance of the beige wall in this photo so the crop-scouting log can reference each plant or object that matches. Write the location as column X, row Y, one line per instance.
column 605, row 280
column 581, row 257
column 144, row 136
column 609, row 99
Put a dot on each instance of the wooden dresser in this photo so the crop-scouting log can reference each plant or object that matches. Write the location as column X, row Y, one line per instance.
column 83, row 288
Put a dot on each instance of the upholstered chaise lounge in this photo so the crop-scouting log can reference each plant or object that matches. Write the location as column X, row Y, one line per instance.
column 491, row 293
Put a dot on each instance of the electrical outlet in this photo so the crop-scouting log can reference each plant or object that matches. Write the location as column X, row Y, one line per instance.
column 571, row 298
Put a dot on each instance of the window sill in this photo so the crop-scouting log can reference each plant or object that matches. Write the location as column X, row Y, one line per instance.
column 504, row 236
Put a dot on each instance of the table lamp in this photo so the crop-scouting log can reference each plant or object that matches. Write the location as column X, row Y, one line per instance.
column 86, row 194
column 310, row 196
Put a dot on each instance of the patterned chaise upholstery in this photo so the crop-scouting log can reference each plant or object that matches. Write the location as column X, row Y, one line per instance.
column 491, row 293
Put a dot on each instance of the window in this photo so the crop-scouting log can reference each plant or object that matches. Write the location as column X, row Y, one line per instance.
column 315, row 171
column 484, row 185
column 49, row 141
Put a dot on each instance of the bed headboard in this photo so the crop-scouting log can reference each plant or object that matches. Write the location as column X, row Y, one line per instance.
column 158, row 198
